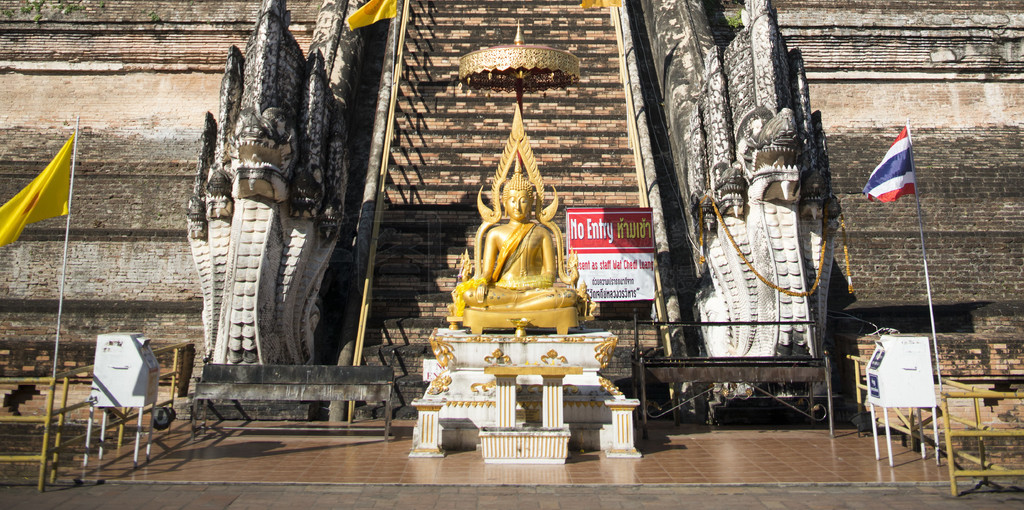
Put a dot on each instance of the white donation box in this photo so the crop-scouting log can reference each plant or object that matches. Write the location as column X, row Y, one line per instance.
column 126, row 372
column 900, row 373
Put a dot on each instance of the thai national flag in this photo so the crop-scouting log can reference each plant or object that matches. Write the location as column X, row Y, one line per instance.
column 894, row 176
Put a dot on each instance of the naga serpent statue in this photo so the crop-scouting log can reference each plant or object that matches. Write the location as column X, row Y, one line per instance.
column 760, row 196
column 264, row 215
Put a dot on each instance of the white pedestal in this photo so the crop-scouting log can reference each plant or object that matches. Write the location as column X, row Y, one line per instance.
column 524, row 445
column 476, row 397
column 622, row 420
column 429, row 428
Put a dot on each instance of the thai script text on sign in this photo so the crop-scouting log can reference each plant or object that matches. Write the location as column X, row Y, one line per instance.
column 615, row 247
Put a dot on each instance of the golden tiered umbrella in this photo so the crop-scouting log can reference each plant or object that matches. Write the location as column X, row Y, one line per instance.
column 519, row 67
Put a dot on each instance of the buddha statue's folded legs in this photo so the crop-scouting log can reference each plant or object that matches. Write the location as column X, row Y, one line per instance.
column 493, row 297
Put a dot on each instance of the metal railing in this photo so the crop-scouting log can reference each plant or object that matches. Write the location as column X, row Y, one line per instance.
column 54, row 419
column 975, row 429
column 674, row 370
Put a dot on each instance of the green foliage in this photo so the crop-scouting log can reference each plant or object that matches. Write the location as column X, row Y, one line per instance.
column 61, row 6
column 711, row 6
column 8, row 12
column 33, row 6
column 735, row 21
column 716, row 12
column 154, row 17
column 69, row 6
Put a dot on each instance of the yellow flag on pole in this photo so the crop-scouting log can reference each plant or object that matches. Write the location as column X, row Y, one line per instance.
column 587, row 4
column 372, row 12
column 45, row 197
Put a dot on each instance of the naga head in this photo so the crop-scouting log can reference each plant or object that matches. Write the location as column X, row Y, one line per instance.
column 770, row 146
column 265, row 143
column 196, row 215
column 731, row 189
column 195, row 208
column 832, row 209
column 264, row 153
column 704, row 210
column 813, row 194
column 218, row 191
column 306, row 195
column 329, row 222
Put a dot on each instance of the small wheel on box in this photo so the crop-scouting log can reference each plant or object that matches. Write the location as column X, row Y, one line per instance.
column 162, row 417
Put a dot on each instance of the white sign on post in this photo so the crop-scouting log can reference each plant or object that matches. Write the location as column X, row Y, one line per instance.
column 615, row 247
column 900, row 375
column 431, row 369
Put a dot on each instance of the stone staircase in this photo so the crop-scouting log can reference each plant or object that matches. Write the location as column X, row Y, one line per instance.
column 447, row 144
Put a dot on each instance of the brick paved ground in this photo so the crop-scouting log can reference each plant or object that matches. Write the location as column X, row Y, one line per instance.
column 589, row 497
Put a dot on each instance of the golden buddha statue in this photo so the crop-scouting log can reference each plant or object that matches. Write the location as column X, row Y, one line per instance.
column 511, row 281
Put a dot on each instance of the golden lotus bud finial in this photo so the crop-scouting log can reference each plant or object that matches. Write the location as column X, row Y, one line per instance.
column 519, row 41
column 518, row 182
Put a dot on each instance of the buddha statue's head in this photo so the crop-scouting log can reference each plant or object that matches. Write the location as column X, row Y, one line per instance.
column 518, row 197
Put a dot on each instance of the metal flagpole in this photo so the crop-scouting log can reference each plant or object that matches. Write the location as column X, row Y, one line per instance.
column 67, row 231
column 924, row 255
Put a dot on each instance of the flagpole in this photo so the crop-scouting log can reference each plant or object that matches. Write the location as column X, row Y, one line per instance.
column 67, row 231
column 924, row 256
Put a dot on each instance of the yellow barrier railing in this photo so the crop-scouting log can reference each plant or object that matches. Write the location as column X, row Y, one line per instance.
column 49, row 457
column 975, row 429
column 859, row 384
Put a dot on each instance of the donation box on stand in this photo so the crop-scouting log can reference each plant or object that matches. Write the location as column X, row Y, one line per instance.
column 900, row 375
column 126, row 372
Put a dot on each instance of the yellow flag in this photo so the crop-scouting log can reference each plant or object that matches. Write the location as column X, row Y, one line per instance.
column 587, row 4
column 45, row 197
column 372, row 12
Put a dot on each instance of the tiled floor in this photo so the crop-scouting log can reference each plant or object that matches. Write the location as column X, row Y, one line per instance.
column 675, row 455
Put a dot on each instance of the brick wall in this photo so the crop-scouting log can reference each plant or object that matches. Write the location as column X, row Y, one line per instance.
column 980, row 357
column 969, row 184
column 25, row 399
column 986, row 361
column 141, row 75
column 133, row 35
column 962, row 7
